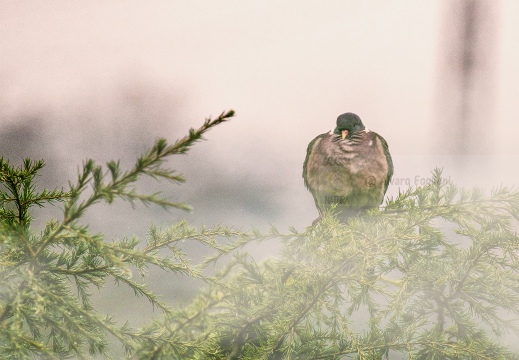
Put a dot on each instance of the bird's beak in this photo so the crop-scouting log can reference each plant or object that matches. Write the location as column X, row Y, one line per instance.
column 344, row 133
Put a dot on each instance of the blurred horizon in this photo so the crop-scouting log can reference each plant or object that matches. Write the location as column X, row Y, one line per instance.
column 125, row 75
column 103, row 80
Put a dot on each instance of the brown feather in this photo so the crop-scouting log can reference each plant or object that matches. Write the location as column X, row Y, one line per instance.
column 352, row 174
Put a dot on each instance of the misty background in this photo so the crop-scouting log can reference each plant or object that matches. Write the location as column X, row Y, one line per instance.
column 104, row 79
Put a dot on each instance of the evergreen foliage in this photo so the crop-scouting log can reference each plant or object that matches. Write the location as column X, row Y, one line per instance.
column 434, row 274
column 388, row 285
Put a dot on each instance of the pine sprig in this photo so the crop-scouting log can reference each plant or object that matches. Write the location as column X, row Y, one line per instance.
column 45, row 279
column 18, row 192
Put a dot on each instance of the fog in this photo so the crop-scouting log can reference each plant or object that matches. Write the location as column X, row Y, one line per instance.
column 103, row 79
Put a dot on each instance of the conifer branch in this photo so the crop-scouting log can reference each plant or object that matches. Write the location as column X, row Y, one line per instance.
column 36, row 269
column 423, row 291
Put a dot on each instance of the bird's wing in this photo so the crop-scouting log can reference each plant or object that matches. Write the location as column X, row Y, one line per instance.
column 309, row 152
column 389, row 160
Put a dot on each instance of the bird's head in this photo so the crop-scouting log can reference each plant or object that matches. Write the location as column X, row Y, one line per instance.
column 347, row 124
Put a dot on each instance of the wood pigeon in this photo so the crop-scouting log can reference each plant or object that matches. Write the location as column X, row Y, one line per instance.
column 349, row 168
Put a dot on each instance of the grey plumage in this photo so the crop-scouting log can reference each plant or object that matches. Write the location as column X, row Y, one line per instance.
column 350, row 167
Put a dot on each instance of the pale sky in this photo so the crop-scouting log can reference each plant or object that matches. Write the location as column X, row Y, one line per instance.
column 288, row 69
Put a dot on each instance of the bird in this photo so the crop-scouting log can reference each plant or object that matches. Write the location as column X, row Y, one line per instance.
column 347, row 169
